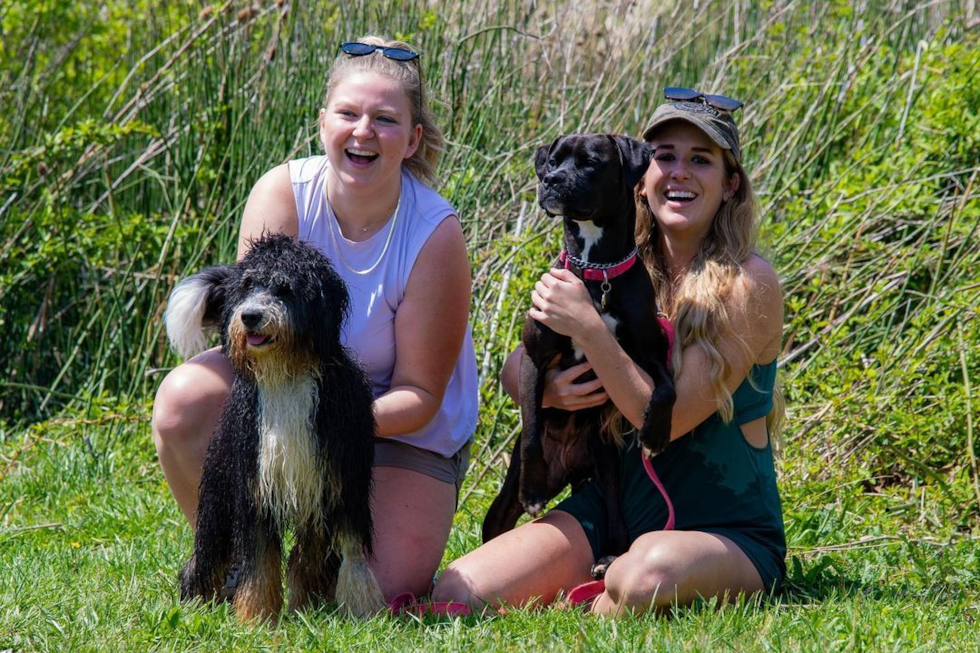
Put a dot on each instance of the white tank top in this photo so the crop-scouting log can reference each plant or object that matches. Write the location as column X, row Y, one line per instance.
column 378, row 290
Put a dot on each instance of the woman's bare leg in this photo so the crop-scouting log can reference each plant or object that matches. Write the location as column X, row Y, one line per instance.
column 186, row 410
column 666, row 568
column 413, row 514
column 531, row 563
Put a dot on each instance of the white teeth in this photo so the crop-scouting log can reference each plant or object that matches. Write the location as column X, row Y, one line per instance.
column 357, row 152
column 680, row 195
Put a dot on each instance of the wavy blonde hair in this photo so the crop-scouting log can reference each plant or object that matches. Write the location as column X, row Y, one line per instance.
column 424, row 162
column 697, row 304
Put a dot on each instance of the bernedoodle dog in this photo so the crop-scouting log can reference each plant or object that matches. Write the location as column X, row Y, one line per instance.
column 588, row 181
column 294, row 446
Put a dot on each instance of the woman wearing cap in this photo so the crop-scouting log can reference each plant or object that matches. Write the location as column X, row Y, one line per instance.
column 367, row 204
column 696, row 231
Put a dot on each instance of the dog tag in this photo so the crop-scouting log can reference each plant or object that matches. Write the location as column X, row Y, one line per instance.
column 606, row 287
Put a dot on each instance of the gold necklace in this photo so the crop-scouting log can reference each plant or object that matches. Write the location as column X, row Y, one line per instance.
column 335, row 227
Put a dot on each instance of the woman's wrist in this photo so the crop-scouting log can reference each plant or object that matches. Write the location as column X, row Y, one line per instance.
column 592, row 330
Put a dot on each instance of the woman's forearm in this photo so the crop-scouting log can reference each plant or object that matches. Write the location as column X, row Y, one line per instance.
column 627, row 385
column 404, row 409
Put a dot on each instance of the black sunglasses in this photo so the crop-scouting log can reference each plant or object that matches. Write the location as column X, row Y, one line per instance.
column 355, row 49
column 720, row 102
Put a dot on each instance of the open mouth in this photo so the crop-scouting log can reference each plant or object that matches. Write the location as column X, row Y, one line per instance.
column 680, row 196
column 360, row 157
column 257, row 339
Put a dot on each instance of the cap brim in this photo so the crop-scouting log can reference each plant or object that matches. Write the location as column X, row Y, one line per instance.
column 703, row 125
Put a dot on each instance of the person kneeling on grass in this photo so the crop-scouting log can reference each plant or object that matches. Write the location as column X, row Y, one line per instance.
column 366, row 204
column 697, row 225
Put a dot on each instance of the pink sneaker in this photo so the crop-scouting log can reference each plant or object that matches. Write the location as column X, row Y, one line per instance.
column 406, row 604
column 582, row 595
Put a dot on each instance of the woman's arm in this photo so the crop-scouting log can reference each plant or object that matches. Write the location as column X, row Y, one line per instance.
column 429, row 328
column 271, row 207
column 754, row 307
column 560, row 389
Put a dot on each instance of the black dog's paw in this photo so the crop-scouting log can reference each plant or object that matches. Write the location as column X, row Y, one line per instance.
column 652, row 451
column 197, row 583
column 533, row 501
column 533, row 506
column 598, row 571
column 654, row 441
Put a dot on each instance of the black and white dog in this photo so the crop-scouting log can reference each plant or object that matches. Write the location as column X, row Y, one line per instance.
column 294, row 446
column 588, row 181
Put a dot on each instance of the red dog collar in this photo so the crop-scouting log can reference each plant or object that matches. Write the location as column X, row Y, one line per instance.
column 597, row 271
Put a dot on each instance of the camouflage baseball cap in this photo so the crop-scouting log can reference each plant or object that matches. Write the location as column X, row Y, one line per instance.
column 718, row 125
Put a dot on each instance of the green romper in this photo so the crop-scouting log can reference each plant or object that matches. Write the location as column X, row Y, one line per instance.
column 718, row 483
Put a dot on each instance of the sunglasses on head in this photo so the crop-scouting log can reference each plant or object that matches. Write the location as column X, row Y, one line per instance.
column 720, row 102
column 355, row 49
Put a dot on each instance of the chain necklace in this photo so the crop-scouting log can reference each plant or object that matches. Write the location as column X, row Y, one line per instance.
column 335, row 227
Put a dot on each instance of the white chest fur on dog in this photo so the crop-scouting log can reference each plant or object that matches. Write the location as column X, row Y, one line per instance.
column 590, row 235
column 291, row 481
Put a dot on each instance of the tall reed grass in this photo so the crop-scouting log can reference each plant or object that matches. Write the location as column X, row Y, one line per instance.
column 130, row 136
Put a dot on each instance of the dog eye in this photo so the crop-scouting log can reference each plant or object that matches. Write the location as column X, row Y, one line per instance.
column 552, row 162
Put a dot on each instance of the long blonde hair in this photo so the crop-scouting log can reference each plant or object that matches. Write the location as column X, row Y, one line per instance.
column 697, row 304
column 425, row 160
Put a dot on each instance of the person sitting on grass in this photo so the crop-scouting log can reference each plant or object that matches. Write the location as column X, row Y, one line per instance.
column 696, row 232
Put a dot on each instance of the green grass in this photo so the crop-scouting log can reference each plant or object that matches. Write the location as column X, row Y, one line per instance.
column 91, row 564
column 130, row 136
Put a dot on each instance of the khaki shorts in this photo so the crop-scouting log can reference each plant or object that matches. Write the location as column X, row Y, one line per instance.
column 392, row 453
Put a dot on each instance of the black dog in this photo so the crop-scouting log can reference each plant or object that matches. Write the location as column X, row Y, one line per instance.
column 588, row 180
column 294, row 445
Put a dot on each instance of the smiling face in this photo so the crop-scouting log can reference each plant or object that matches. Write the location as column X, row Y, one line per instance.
column 686, row 182
column 367, row 131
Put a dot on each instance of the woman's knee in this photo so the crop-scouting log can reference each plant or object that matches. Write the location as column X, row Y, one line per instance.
column 652, row 578
column 188, row 404
column 455, row 585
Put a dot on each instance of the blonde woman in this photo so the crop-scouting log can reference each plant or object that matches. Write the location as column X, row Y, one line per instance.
column 366, row 203
column 696, row 230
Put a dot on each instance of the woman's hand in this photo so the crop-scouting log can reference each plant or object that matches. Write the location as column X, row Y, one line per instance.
column 561, row 391
column 563, row 304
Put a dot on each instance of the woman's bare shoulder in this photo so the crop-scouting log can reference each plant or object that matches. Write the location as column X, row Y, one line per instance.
column 271, row 207
column 756, row 306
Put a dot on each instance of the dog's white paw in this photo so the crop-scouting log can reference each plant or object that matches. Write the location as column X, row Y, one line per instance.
column 358, row 592
column 534, row 508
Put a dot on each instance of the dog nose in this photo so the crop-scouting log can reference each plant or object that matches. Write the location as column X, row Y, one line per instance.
column 251, row 318
column 552, row 177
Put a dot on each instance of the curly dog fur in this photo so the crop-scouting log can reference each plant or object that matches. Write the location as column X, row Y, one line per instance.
column 294, row 444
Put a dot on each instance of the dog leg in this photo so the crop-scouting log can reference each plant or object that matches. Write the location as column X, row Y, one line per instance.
column 655, row 434
column 204, row 574
column 534, row 467
column 258, row 591
column 608, row 477
column 311, row 574
column 506, row 509
column 358, row 592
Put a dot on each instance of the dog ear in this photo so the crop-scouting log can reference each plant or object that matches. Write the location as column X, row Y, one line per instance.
column 636, row 157
column 541, row 156
column 196, row 304
column 334, row 310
